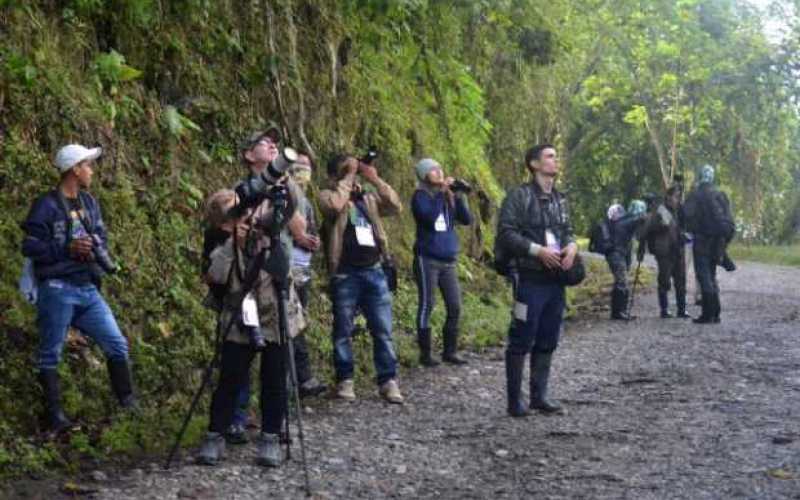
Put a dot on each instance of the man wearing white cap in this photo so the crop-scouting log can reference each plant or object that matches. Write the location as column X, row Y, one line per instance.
column 66, row 240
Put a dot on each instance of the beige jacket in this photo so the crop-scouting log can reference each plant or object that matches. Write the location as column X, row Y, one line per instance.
column 335, row 205
column 228, row 266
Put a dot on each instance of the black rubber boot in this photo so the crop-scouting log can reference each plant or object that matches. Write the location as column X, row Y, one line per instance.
column 56, row 420
column 119, row 371
column 680, row 299
column 514, row 366
column 424, row 342
column 727, row 263
column 449, row 353
column 705, row 315
column 619, row 305
column 663, row 303
column 716, row 308
column 540, row 376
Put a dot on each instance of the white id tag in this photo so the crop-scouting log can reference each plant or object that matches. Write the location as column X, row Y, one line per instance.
column 521, row 311
column 440, row 225
column 551, row 241
column 364, row 236
column 250, row 311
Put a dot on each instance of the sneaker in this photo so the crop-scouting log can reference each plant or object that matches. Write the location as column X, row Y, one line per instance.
column 236, row 434
column 344, row 390
column 269, row 450
column 391, row 392
column 311, row 387
column 212, row 450
column 453, row 359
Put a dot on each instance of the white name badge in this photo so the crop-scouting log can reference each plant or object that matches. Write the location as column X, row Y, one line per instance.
column 440, row 225
column 551, row 241
column 250, row 311
column 364, row 236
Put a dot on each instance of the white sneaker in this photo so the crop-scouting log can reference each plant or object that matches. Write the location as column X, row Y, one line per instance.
column 344, row 390
column 390, row 391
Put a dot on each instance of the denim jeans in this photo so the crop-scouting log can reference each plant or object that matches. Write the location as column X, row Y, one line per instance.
column 61, row 305
column 537, row 316
column 363, row 288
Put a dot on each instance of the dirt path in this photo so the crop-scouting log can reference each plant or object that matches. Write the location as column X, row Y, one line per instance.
column 657, row 409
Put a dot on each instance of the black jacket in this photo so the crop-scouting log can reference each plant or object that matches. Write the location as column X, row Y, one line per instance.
column 526, row 213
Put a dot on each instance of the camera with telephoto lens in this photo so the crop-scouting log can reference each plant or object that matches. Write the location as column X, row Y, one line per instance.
column 461, row 186
column 258, row 188
column 102, row 257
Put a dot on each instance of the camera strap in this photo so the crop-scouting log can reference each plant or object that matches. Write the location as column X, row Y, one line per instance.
column 83, row 215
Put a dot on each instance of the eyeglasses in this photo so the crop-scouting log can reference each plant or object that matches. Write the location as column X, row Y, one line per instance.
column 266, row 141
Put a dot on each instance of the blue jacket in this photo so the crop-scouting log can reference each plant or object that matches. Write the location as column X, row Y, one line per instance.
column 46, row 239
column 427, row 206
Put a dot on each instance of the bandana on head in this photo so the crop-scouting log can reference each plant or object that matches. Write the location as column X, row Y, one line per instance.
column 615, row 212
column 707, row 174
column 637, row 207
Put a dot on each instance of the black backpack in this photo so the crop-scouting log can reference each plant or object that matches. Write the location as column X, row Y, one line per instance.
column 600, row 238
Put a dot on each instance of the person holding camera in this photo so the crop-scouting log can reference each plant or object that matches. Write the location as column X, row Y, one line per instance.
column 250, row 263
column 257, row 152
column 534, row 230
column 66, row 239
column 356, row 245
column 438, row 205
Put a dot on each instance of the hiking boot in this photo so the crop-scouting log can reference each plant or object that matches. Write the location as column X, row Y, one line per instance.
column 514, row 366
column 453, row 359
column 390, row 391
column 424, row 343
column 619, row 305
column 311, row 387
column 663, row 304
column 236, row 434
column 212, row 449
column 706, row 316
column 269, row 450
column 680, row 299
column 119, row 371
column 540, row 376
column 57, row 422
column 344, row 390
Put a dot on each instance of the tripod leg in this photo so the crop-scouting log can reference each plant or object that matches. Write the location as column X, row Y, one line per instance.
column 206, row 378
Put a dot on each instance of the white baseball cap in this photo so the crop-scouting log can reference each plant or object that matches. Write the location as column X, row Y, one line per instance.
column 72, row 154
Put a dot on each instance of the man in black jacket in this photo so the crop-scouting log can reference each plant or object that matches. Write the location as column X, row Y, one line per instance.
column 708, row 216
column 534, row 231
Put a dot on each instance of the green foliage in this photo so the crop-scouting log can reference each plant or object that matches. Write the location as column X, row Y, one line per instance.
column 169, row 88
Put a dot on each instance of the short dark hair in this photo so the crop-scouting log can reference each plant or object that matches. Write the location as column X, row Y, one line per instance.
column 675, row 188
column 335, row 164
column 535, row 153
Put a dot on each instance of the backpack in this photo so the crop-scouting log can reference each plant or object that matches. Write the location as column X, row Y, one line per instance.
column 600, row 238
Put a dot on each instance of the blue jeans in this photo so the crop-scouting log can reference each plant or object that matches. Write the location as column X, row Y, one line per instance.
column 537, row 316
column 705, row 268
column 363, row 288
column 61, row 305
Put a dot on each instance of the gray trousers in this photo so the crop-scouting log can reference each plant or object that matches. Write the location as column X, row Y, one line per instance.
column 431, row 274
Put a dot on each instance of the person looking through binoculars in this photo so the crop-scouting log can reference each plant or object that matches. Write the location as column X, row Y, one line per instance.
column 438, row 205
column 66, row 240
column 356, row 246
column 249, row 264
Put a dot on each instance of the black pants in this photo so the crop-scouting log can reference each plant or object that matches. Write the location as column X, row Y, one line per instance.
column 234, row 370
column 672, row 271
column 618, row 264
column 302, row 359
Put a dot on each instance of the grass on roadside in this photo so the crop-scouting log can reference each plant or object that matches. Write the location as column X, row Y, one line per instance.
column 785, row 255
